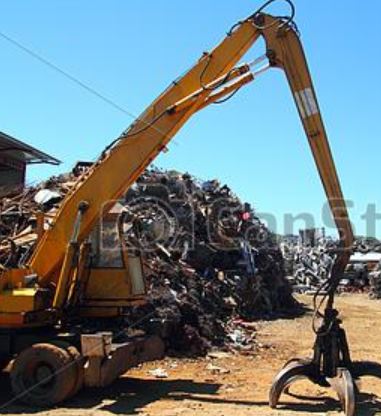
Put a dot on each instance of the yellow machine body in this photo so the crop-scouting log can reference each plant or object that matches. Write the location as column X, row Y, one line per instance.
column 16, row 300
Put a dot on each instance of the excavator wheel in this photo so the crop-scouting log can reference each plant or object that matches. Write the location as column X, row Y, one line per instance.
column 43, row 375
column 79, row 363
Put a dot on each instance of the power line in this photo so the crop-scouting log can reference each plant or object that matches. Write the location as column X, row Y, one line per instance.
column 66, row 74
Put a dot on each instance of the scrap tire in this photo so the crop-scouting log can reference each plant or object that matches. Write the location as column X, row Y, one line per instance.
column 43, row 375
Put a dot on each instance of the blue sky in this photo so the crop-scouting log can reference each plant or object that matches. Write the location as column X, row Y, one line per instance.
column 131, row 50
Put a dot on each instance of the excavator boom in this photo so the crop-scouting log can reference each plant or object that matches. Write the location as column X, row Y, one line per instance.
column 213, row 76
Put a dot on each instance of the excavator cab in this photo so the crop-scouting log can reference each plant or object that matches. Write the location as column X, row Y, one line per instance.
column 112, row 270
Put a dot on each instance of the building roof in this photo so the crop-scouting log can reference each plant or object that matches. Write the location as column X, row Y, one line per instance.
column 22, row 152
column 371, row 257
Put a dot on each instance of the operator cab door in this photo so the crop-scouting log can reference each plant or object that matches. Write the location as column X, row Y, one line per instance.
column 116, row 276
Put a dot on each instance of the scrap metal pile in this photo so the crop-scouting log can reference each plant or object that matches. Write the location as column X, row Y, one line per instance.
column 211, row 265
column 375, row 283
column 308, row 267
column 19, row 217
column 367, row 245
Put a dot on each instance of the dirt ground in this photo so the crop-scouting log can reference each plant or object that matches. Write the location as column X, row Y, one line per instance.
column 240, row 387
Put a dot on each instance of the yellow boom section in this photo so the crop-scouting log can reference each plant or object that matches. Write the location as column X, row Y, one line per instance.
column 285, row 51
column 212, row 77
column 123, row 164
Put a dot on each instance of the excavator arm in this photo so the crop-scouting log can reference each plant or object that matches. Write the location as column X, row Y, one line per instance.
column 285, row 51
column 213, row 77
column 120, row 166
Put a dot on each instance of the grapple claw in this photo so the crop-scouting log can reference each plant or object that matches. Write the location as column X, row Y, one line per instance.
column 292, row 371
column 331, row 365
column 344, row 386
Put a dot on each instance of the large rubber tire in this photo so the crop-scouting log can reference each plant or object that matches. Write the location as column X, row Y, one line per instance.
column 43, row 375
column 80, row 370
column 79, row 363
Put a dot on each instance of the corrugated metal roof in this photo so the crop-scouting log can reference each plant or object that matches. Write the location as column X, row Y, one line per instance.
column 15, row 149
column 366, row 257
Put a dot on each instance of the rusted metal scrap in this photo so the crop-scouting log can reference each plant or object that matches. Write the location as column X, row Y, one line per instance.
column 209, row 261
column 20, row 214
column 308, row 266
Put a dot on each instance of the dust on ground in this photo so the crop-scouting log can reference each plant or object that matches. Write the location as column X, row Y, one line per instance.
column 235, row 384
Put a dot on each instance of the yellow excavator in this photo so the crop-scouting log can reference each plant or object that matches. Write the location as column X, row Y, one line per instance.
column 59, row 313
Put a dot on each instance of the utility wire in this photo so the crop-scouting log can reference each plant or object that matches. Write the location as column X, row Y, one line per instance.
column 65, row 74
column 80, row 83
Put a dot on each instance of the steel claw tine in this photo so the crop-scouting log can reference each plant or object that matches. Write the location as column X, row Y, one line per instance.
column 296, row 369
column 297, row 361
column 344, row 386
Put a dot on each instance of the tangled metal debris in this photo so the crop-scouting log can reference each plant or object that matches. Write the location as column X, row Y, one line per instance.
column 375, row 283
column 210, row 264
column 308, row 264
column 367, row 245
column 20, row 219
